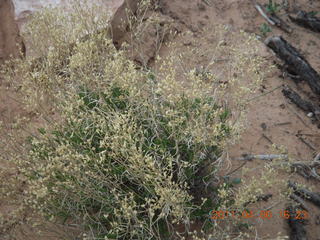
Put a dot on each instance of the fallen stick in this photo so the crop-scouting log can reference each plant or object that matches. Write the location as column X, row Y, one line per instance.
column 317, row 158
column 301, row 103
column 305, row 193
column 307, row 170
column 264, row 94
column 280, row 23
column 314, row 174
column 262, row 197
column 263, row 14
column 300, row 201
column 309, row 135
column 267, row 138
column 283, row 123
column 233, row 171
column 273, row 19
column 249, row 157
column 306, row 143
column 296, row 63
column 302, row 169
column 306, row 20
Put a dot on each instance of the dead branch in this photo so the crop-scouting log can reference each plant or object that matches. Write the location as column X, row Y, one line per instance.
column 273, row 19
column 262, row 197
column 307, row 143
column 307, row 170
column 233, row 171
column 267, row 138
column 317, row 158
column 300, row 201
column 263, row 14
column 302, row 169
column 295, row 61
column 280, row 23
column 249, row 157
column 305, row 193
column 283, row 123
column 301, row 103
column 306, row 20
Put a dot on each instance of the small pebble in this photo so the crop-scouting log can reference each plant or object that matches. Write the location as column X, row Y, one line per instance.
column 201, row 7
column 187, row 43
column 310, row 114
column 263, row 126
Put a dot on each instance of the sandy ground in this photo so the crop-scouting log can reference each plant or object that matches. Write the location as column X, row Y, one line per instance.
column 271, row 119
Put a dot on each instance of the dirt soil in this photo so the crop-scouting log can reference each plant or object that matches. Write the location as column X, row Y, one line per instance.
column 272, row 119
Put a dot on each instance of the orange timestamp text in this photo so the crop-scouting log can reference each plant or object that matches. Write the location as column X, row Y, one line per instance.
column 263, row 214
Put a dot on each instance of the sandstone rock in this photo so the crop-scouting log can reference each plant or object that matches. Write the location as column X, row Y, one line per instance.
column 11, row 44
column 119, row 20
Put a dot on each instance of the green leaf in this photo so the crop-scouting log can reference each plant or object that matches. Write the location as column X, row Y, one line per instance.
column 312, row 13
column 42, row 131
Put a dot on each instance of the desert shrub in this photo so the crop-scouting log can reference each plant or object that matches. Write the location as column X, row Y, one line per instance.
column 133, row 150
column 124, row 159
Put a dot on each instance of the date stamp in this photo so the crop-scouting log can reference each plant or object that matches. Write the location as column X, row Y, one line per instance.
column 263, row 214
